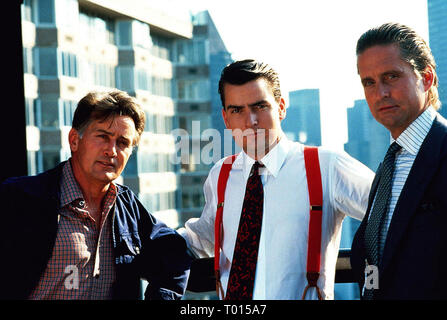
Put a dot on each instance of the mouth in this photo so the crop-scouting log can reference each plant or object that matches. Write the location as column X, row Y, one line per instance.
column 387, row 108
column 106, row 165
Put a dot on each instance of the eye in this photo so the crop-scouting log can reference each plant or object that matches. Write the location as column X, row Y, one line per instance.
column 124, row 144
column 367, row 83
column 391, row 76
column 235, row 110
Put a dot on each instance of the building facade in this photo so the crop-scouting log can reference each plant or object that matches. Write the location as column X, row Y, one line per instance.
column 437, row 17
column 72, row 47
column 198, row 67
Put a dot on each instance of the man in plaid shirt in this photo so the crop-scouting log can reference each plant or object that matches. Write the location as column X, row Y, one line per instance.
column 72, row 233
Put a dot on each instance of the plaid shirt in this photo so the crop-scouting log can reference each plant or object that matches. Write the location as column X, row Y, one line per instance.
column 80, row 267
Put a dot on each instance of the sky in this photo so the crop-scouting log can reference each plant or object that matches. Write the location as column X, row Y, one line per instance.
column 311, row 44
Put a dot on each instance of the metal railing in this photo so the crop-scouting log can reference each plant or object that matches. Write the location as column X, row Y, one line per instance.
column 202, row 279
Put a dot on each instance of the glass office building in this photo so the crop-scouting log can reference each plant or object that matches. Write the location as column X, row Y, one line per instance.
column 71, row 47
column 437, row 26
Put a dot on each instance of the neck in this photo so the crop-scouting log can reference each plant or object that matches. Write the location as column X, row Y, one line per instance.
column 258, row 155
column 92, row 190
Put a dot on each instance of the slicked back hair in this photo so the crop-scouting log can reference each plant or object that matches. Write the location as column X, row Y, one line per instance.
column 243, row 71
column 413, row 49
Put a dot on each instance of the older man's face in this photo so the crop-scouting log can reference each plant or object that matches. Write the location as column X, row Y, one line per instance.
column 101, row 153
column 395, row 92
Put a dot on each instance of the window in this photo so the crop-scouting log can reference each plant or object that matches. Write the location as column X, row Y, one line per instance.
column 50, row 112
column 68, row 109
column 32, row 163
column 143, row 78
column 28, row 65
column 97, row 74
column 98, row 28
column 46, row 59
column 125, row 78
column 48, row 159
column 162, row 47
column 33, row 117
column 27, row 10
column 149, row 125
column 131, row 168
column 124, row 33
column 161, row 86
column 69, row 64
column 192, row 52
column 45, row 11
column 193, row 89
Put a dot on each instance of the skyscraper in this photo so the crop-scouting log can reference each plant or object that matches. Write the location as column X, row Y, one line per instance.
column 302, row 122
column 72, row 47
column 368, row 140
column 198, row 65
column 437, row 17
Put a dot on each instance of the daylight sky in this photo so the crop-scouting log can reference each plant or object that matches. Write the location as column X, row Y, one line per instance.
column 310, row 43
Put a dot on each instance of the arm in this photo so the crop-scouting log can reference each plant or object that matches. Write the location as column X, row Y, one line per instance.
column 349, row 183
column 199, row 232
column 164, row 261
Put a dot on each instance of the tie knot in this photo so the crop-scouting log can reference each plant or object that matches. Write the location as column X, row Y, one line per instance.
column 393, row 148
column 255, row 168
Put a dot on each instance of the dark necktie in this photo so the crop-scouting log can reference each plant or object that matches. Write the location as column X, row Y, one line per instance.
column 376, row 218
column 242, row 275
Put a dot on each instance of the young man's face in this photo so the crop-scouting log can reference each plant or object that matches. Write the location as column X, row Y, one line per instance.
column 101, row 154
column 254, row 116
column 395, row 92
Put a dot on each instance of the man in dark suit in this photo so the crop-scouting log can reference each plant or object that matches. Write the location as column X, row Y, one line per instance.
column 400, row 248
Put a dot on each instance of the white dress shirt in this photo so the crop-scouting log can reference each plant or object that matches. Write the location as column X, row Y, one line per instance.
column 282, row 255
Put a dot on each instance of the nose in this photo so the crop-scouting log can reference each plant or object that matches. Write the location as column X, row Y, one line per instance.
column 110, row 149
column 251, row 121
column 383, row 90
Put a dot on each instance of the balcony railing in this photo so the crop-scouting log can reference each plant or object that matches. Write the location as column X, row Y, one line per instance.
column 202, row 279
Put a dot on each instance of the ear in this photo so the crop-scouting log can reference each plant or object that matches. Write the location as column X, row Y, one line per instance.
column 282, row 109
column 225, row 119
column 73, row 139
column 428, row 77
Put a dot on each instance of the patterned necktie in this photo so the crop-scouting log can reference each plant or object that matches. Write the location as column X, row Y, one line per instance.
column 245, row 256
column 376, row 218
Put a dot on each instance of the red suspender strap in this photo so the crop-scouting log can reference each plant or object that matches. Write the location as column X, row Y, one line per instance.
column 221, row 186
column 313, row 174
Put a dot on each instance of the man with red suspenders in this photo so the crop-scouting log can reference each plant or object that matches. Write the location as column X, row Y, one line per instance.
column 268, row 239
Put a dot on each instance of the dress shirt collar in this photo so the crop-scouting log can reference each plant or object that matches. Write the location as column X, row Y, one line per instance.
column 272, row 161
column 413, row 136
column 70, row 190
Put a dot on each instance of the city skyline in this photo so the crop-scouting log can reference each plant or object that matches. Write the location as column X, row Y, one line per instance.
column 277, row 32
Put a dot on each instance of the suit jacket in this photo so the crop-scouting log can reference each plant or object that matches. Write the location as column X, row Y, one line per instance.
column 415, row 252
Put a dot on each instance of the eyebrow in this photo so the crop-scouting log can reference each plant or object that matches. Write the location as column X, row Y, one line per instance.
column 104, row 131
column 111, row 134
column 257, row 103
column 254, row 104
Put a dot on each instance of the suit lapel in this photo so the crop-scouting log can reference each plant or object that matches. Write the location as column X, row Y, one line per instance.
column 421, row 173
